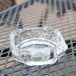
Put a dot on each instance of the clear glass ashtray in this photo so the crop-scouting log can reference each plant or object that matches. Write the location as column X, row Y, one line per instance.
column 37, row 46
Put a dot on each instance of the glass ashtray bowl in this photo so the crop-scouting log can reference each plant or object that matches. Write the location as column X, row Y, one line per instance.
column 37, row 46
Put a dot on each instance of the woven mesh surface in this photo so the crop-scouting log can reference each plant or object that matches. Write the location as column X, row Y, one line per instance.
column 37, row 13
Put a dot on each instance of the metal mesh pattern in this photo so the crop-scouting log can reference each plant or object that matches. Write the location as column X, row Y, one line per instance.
column 39, row 13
